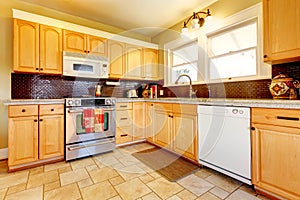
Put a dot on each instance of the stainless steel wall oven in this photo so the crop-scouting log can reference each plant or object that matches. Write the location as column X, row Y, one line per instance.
column 90, row 126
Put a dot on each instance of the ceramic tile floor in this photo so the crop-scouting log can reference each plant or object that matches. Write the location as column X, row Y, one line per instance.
column 116, row 175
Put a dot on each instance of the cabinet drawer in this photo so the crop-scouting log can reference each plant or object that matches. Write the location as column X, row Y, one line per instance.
column 53, row 109
column 163, row 107
column 124, row 106
column 281, row 117
column 124, row 117
column 185, row 109
column 123, row 134
column 23, row 110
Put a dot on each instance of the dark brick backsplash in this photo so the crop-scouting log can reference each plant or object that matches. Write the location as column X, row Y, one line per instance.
column 32, row 86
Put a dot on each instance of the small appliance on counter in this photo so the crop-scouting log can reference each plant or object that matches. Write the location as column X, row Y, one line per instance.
column 284, row 87
column 132, row 93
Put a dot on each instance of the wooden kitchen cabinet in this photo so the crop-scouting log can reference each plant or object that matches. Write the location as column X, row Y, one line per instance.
column 117, row 59
column 134, row 61
column 124, row 133
column 139, row 117
column 281, row 31
column 150, row 64
column 149, row 122
column 83, row 43
column 35, row 135
column 37, row 48
column 275, row 151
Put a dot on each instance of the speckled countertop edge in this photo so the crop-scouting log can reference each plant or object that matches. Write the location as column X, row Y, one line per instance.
column 12, row 102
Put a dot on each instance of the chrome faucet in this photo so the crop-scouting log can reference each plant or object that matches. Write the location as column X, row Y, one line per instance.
column 191, row 88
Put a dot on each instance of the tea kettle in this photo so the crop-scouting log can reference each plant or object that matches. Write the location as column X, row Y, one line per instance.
column 284, row 87
column 98, row 90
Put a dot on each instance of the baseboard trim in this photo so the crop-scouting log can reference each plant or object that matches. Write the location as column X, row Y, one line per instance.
column 3, row 153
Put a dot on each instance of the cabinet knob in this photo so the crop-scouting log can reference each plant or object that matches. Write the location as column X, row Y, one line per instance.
column 36, row 68
column 265, row 56
column 23, row 110
column 252, row 128
column 52, row 109
column 41, row 69
column 41, row 120
column 35, row 120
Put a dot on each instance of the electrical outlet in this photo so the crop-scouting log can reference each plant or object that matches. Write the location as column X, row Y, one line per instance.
column 161, row 92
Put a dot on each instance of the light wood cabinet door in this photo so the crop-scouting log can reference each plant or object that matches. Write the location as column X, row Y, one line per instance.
column 50, row 50
column 51, row 136
column 275, row 159
column 139, row 114
column 22, row 140
column 116, row 57
column 97, row 45
column 134, row 61
column 162, row 129
column 185, row 135
column 150, row 64
column 281, row 30
column 149, row 122
column 74, row 41
column 26, row 46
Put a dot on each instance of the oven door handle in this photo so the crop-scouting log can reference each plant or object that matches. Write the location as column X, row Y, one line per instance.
column 90, row 145
column 81, row 110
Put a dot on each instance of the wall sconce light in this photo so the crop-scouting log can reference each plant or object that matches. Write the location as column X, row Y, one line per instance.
column 196, row 21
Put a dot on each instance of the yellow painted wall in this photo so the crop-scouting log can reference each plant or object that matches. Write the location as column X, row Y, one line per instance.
column 6, row 38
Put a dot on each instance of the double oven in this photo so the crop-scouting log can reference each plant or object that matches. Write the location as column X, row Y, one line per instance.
column 81, row 115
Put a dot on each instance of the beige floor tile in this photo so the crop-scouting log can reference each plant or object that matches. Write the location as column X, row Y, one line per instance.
column 103, row 174
column 203, row 173
column 103, row 190
column 108, row 161
column 209, row 196
column 128, row 160
column 116, row 198
column 85, row 183
column 151, row 196
column 30, row 194
column 81, row 163
column 13, row 179
column 132, row 189
column 146, row 178
column 2, row 193
column 155, row 175
column 240, row 194
column 16, row 188
column 224, row 182
column 131, row 172
column 174, row 198
column 43, row 178
column 116, row 180
column 185, row 194
column 51, row 186
column 36, row 170
column 68, row 192
column 64, row 169
column 98, row 163
column 73, row 176
column 195, row 184
column 91, row 167
column 55, row 166
column 222, row 194
column 164, row 188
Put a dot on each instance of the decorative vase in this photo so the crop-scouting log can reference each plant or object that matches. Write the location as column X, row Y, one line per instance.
column 283, row 87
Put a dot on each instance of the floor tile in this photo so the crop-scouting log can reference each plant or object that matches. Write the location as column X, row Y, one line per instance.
column 55, row 166
column 30, row 194
column 174, row 198
column 103, row 190
column 195, row 184
column 203, row 173
column 185, row 194
column 128, row 160
column 219, row 192
column 13, row 179
column 209, row 196
column 73, row 176
column 51, row 186
column 91, row 167
column 164, row 188
column 36, row 170
column 43, row 178
column 81, row 163
column 108, row 161
column 85, row 183
column 68, row 192
column 146, row 178
column 131, row 172
column 16, row 188
column 132, row 189
column 103, row 174
column 2, row 193
column 116, row 198
column 116, row 180
column 64, row 169
column 224, row 182
column 151, row 196
column 240, row 194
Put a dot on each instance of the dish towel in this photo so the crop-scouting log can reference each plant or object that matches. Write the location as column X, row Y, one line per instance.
column 99, row 120
column 88, row 120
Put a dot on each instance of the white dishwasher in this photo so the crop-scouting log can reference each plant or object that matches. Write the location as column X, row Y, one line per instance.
column 224, row 140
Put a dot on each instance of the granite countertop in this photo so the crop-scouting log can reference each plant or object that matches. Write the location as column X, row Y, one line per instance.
column 263, row 103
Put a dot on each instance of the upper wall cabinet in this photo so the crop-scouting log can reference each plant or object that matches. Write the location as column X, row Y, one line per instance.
column 116, row 57
column 150, row 63
column 83, row 43
column 37, row 48
column 134, row 61
column 281, row 31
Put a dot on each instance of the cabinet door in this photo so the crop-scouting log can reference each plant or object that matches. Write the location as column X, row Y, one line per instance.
column 97, row 45
column 74, row 41
column 134, row 61
column 22, row 140
column 150, row 63
column 185, row 135
column 26, row 46
column 275, row 159
column 50, row 50
column 281, row 22
column 149, row 122
column 116, row 59
column 138, row 120
column 162, row 129
column 51, row 136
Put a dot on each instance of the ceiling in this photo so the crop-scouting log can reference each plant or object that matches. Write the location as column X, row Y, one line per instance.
column 147, row 17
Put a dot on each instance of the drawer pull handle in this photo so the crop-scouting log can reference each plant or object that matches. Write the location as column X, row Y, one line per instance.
column 124, row 135
column 252, row 128
column 35, row 120
column 41, row 120
column 124, row 106
column 52, row 109
column 288, row 118
column 123, row 118
column 23, row 110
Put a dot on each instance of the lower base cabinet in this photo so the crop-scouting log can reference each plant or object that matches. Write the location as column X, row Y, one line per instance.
column 35, row 135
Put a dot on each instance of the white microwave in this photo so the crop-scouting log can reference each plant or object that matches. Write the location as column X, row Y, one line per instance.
column 84, row 65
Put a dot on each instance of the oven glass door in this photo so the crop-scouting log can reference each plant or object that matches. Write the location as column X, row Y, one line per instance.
column 80, row 128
